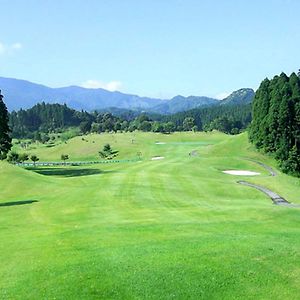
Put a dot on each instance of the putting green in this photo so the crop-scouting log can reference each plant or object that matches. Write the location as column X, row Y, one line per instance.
column 174, row 228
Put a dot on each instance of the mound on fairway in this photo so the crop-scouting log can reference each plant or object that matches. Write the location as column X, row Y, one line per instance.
column 241, row 172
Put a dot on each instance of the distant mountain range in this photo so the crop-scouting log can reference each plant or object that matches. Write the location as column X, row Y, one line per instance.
column 24, row 94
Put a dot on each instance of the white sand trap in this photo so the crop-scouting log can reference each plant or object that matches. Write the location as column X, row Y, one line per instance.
column 157, row 158
column 159, row 143
column 241, row 172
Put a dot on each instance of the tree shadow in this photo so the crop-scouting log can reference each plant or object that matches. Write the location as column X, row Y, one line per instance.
column 66, row 172
column 13, row 203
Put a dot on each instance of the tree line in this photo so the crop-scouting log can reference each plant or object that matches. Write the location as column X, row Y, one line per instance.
column 35, row 123
column 275, row 127
column 44, row 118
column 231, row 119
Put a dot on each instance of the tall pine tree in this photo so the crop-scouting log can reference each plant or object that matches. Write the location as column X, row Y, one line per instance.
column 261, row 106
column 5, row 140
column 276, row 120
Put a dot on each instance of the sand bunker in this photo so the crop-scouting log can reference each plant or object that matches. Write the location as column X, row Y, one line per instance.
column 157, row 158
column 241, row 172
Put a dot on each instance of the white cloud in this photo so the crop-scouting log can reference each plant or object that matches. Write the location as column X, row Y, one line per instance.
column 2, row 48
column 16, row 46
column 96, row 84
column 8, row 49
column 222, row 96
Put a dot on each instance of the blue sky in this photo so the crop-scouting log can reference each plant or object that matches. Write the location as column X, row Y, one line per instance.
column 157, row 48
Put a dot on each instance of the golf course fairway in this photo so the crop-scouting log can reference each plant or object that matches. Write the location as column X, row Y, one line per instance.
column 171, row 228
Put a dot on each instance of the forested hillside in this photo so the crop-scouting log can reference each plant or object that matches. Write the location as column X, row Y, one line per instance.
column 180, row 103
column 276, row 120
column 226, row 118
column 43, row 119
column 241, row 96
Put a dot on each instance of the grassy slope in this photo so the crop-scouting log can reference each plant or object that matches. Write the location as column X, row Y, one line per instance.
column 87, row 148
column 174, row 228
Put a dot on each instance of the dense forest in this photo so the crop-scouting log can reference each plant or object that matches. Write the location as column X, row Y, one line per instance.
column 276, row 120
column 231, row 119
column 42, row 119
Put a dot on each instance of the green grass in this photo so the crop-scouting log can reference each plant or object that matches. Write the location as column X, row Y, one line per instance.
column 176, row 228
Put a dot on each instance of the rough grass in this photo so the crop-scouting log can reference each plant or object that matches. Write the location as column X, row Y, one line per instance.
column 176, row 228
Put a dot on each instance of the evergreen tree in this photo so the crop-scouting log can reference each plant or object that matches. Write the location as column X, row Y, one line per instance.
column 259, row 125
column 276, row 120
column 108, row 152
column 5, row 139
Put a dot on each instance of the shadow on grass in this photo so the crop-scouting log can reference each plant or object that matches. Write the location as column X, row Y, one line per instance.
column 13, row 203
column 66, row 172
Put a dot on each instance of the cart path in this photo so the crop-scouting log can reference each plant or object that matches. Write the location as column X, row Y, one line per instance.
column 268, row 168
column 277, row 199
